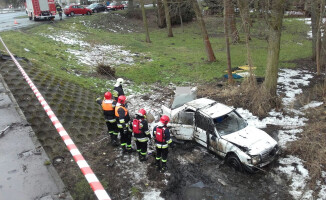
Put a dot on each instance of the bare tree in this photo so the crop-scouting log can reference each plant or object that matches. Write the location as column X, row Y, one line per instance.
column 314, row 25
column 318, row 39
column 274, row 21
column 226, row 33
column 145, row 20
column 208, row 46
column 233, row 26
column 160, row 14
column 130, row 5
column 180, row 15
column 167, row 18
column 246, row 22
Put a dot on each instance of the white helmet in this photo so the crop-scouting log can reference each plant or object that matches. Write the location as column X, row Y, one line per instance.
column 119, row 82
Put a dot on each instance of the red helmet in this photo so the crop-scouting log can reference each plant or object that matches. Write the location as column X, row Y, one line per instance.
column 164, row 119
column 141, row 112
column 108, row 95
column 122, row 99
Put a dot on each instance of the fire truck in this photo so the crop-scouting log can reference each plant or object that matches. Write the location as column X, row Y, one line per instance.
column 40, row 9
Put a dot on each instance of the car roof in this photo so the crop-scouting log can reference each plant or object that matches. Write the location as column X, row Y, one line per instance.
column 209, row 107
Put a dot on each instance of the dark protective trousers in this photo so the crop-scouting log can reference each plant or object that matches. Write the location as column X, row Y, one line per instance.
column 141, row 147
column 125, row 139
column 162, row 154
column 113, row 130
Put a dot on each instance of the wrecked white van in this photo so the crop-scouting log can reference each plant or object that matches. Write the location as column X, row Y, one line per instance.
column 222, row 130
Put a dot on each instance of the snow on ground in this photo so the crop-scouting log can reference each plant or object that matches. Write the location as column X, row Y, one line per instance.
column 308, row 22
column 289, row 83
column 93, row 54
column 152, row 194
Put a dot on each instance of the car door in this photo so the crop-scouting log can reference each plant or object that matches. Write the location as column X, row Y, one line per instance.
column 74, row 9
column 216, row 143
column 201, row 128
column 81, row 10
column 184, row 127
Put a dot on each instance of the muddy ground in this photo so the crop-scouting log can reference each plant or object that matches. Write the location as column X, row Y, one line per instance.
column 193, row 172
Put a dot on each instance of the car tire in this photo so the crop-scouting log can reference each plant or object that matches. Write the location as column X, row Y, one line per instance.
column 95, row 11
column 88, row 13
column 233, row 161
column 72, row 14
column 30, row 17
column 66, row 15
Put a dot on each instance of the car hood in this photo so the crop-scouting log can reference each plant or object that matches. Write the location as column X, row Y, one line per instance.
column 254, row 139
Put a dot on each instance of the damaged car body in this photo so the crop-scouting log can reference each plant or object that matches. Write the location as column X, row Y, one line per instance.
column 220, row 129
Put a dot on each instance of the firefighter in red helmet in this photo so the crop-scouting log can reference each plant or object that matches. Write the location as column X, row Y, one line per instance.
column 108, row 106
column 162, row 140
column 123, row 119
column 141, row 134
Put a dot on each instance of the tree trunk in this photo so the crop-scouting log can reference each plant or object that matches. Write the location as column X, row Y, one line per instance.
column 323, row 47
column 145, row 20
column 167, row 18
column 208, row 46
column 319, row 42
column 160, row 15
column 314, row 26
column 245, row 16
column 226, row 33
column 274, row 40
column 130, row 5
column 180, row 15
column 233, row 26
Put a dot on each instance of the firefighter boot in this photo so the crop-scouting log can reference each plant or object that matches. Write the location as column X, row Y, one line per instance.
column 164, row 167
column 157, row 164
column 143, row 158
column 124, row 149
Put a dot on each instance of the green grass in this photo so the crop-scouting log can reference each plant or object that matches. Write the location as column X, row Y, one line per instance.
column 180, row 59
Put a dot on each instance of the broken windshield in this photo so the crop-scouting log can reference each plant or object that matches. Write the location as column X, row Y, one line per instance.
column 229, row 123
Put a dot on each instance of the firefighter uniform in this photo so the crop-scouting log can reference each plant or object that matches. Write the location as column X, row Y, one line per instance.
column 118, row 90
column 123, row 120
column 141, row 135
column 59, row 9
column 108, row 107
column 162, row 140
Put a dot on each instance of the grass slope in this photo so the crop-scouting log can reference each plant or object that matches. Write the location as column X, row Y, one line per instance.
column 180, row 59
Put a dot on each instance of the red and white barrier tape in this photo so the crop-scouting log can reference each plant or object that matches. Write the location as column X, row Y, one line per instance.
column 95, row 184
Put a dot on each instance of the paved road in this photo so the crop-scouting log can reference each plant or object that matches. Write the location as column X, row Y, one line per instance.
column 7, row 21
column 24, row 174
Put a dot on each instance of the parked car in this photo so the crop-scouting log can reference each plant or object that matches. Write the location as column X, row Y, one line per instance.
column 115, row 6
column 223, row 131
column 97, row 7
column 73, row 10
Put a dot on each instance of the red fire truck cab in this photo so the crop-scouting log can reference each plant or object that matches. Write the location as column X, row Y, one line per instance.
column 40, row 9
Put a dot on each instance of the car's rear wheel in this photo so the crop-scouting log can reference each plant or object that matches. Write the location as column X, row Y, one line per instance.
column 95, row 11
column 72, row 14
column 233, row 161
column 88, row 13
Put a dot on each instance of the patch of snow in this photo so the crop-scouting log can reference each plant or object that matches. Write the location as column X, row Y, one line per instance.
column 92, row 55
column 293, row 167
column 152, row 194
column 312, row 104
column 322, row 192
column 286, row 136
column 290, row 81
column 275, row 118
